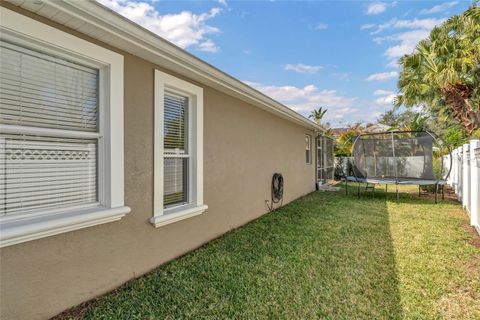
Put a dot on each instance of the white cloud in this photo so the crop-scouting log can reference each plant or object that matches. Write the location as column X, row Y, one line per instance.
column 223, row 2
column 321, row 26
column 185, row 29
column 417, row 23
column 404, row 42
column 208, row 46
column 408, row 41
column 304, row 100
column 439, row 8
column 382, row 76
column 385, row 97
column 426, row 24
column 394, row 63
column 386, row 101
column 376, row 8
column 381, row 92
column 302, row 68
column 367, row 26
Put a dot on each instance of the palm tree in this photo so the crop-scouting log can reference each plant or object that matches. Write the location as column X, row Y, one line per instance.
column 344, row 143
column 317, row 115
column 443, row 73
column 418, row 123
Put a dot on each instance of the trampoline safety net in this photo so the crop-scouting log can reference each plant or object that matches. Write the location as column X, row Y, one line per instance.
column 397, row 156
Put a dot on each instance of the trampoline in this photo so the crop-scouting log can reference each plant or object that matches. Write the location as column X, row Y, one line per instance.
column 397, row 158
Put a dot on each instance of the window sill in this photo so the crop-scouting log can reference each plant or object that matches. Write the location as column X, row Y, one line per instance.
column 18, row 231
column 184, row 213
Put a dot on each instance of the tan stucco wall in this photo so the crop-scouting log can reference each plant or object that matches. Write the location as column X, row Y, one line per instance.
column 243, row 147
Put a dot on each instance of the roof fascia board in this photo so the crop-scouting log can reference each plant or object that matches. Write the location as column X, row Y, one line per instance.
column 149, row 46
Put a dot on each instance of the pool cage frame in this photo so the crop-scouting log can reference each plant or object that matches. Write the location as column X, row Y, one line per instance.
column 325, row 158
column 438, row 182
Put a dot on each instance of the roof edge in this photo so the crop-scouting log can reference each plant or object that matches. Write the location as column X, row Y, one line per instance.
column 141, row 42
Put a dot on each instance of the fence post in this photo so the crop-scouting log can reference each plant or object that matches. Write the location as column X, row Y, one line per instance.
column 466, row 177
column 455, row 170
column 446, row 168
column 460, row 174
column 475, row 184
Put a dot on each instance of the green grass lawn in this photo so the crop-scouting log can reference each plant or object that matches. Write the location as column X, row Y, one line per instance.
column 327, row 256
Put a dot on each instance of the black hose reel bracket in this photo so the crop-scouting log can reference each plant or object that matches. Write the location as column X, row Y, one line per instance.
column 277, row 191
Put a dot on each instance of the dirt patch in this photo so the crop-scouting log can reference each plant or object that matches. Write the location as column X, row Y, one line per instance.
column 458, row 214
column 459, row 304
column 473, row 266
column 475, row 241
column 448, row 194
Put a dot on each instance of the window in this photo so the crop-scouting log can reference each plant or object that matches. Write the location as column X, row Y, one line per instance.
column 308, row 148
column 178, row 171
column 46, row 171
column 61, row 124
column 175, row 153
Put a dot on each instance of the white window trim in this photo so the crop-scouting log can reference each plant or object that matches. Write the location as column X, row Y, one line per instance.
column 162, row 216
column 19, row 228
column 309, row 137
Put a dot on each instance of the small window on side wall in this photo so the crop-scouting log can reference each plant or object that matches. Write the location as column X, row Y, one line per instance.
column 178, row 170
column 308, row 149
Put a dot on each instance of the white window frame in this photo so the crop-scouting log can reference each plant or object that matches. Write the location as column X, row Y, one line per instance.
column 195, row 206
column 309, row 137
column 18, row 228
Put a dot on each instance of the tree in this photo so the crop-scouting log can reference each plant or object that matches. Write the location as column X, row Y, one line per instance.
column 397, row 120
column 418, row 123
column 344, row 143
column 443, row 73
column 317, row 115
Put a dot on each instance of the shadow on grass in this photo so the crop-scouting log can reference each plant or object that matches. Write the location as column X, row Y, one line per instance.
column 322, row 256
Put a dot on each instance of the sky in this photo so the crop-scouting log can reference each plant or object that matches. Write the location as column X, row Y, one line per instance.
column 339, row 55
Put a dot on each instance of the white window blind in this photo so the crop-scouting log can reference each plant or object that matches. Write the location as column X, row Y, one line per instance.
column 43, row 172
column 44, row 91
column 39, row 172
column 176, row 153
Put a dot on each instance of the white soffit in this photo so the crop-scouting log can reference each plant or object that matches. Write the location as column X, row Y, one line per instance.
column 101, row 23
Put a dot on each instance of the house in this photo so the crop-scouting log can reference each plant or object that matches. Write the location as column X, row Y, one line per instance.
column 121, row 151
column 377, row 128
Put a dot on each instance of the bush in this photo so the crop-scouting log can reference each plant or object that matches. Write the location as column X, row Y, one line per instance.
column 454, row 137
column 338, row 173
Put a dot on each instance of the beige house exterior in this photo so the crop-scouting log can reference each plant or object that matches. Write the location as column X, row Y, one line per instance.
column 241, row 138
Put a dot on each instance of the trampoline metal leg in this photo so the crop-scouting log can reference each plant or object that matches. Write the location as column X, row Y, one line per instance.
column 436, row 189
column 418, row 190
column 346, row 186
column 443, row 192
column 396, row 187
column 358, row 189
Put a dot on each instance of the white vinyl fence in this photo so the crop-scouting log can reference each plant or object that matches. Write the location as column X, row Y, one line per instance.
column 465, row 178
